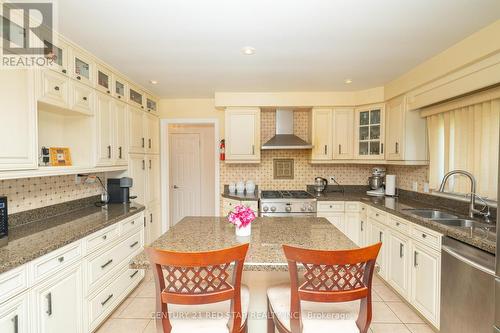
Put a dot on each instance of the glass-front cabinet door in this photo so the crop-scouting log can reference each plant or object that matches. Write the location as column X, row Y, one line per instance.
column 120, row 89
column 104, row 80
column 57, row 56
column 82, row 68
column 151, row 105
column 370, row 132
column 136, row 97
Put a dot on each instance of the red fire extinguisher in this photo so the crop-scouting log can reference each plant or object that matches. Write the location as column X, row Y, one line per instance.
column 222, row 149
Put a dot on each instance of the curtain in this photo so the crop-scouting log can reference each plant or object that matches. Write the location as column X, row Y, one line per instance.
column 465, row 138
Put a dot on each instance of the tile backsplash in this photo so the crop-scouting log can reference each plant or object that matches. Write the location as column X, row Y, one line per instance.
column 407, row 174
column 30, row 193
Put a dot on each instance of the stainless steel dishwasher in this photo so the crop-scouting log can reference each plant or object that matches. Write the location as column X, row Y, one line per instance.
column 467, row 288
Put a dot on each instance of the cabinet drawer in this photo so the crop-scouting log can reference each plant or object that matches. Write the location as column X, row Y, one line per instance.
column 252, row 204
column 55, row 261
column 426, row 236
column 399, row 224
column 104, row 263
column 100, row 305
column 101, row 238
column 377, row 215
column 330, row 206
column 132, row 224
column 353, row 207
column 13, row 282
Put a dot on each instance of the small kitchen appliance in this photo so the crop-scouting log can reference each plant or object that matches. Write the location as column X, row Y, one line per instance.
column 376, row 182
column 287, row 203
column 320, row 185
column 4, row 219
column 119, row 190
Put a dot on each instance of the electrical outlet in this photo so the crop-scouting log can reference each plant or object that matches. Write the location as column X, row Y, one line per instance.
column 414, row 186
column 426, row 187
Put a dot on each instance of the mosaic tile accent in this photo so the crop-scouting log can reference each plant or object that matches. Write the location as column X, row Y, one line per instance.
column 30, row 193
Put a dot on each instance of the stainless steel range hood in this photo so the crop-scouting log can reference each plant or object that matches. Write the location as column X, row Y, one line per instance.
column 284, row 138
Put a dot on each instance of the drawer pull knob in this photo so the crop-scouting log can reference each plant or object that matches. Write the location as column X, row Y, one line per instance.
column 133, row 222
column 61, row 259
column 397, row 223
column 64, row 71
column 424, row 236
column 79, row 77
column 106, row 300
column 107, row 263
column 134, row 274
column 331, row 206
column 56, row 88
column 104, row 237
column 376, row 214
column 134, row 244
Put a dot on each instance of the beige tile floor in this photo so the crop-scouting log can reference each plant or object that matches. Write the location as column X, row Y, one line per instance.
column 390, row 314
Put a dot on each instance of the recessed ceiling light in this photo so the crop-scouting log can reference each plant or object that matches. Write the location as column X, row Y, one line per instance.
column 153, row 81
column 248, row 50
column 347, row 81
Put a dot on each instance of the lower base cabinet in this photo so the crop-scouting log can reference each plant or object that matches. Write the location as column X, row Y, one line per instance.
column 152, row 224
column 353, row 227
column 398, row 253
column 377, row 233
column 14, row 315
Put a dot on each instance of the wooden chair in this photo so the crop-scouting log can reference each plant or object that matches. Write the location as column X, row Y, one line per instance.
column 200, row 292
column 332, row 295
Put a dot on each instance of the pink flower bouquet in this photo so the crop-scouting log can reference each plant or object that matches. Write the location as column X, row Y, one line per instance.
column 241, row 216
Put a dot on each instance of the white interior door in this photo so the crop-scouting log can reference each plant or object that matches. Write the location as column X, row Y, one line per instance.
column 185, row 176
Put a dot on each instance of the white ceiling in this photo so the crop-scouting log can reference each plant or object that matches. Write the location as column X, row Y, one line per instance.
column 193, row 48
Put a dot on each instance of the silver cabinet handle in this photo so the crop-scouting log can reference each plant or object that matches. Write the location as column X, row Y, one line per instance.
column 340, row 149
column 143, row 165
column 143, row 143
column 253, row 149
column 134, row 244
column 109, row 151
column 415, row 263
column 362, row 223
column 149, row 164
column 401, row 250
column 380, row 236
column 120, row 152
column 134, row 274
column 397, row 148
column 326, row 149
column 106, row 300
column 107, row 263
column 49, row 304
column 149, row 143
column 151, row 218
column 381, row 148
column 15, row 320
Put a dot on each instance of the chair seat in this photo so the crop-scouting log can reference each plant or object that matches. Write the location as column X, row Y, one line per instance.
column 316, row 317
column 206, row 318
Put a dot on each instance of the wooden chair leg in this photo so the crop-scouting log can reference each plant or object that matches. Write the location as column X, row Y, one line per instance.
column 270, row 320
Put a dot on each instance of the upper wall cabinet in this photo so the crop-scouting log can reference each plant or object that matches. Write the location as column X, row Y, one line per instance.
column 343, row 133
column 406, row 133
column 151, row 105
column 369, row 132
column 321, row 134
column 242, row 135
column 121, row 88
column 136, row 97
column 18, row 113
column 104, row 80
column 58, row 54
column 82, row 67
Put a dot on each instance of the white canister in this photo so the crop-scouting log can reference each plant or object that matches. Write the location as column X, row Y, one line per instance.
column 240, row 187
column 390, row 185
column 250, row 186
column 232, row 188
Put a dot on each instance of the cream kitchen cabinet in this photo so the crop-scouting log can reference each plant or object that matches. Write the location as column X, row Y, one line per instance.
column 14, row 315
column 59, row 56
column 105, row 129
column 242, row 127
column 136, row 97
column 121, row 115
column 398, row 256
column 152, row 131
column 120, row 88
column 153, row 179
column 104, row 80
column 377, row 232
column 82, row 67
column 369, row 133
column 18, row 143
column 153, row 228
column 137, row 131
column 343, row 134
column 152, row 105
column 82, row 98
column 426, row 281
column 137, row 171
column 406, row 133
column 353, row 227
column 53, row 88
column 321, row 134
column 57, row 303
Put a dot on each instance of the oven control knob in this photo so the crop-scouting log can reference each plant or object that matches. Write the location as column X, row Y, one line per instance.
column 288, row 208
column 310, row 208
column 273, row 209
column 303, row 208
column 265, row 208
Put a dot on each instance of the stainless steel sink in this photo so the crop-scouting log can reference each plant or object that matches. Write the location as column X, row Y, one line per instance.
column 432, row 214
column 459, row 223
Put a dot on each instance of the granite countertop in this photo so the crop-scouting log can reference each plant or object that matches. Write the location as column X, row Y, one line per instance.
column 483, row 238
column 195, row 234
column 32, row 240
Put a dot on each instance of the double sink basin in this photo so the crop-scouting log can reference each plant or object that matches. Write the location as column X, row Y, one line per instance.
column 448, row 219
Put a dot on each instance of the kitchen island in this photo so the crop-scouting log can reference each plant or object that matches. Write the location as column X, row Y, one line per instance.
column 265, row 263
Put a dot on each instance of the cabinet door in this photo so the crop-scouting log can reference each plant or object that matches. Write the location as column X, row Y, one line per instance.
column 137, row 171
column 57, row 55
column 154, row 221
column 426, row 281
column 395, row 129
column 105, row 124
column 14, row 315
column 121, row 137
column 18, row 129
column 369, row 133
column 321, row 134
column 399, row 263
column 152, row 105
column 242, row 134
column 136, row 97
column 153, row 134
column 337, row 219
column 377, row 233
column 82, row 98
column 153, row 179
column 343, row 134
column 82, row 68
column 58, row 303
column 137, row 143
column 104, row 81
column 353, row 227
column 53, row 89
column 120, row 86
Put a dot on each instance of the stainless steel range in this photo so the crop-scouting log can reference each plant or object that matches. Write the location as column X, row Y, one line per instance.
column 287, row 203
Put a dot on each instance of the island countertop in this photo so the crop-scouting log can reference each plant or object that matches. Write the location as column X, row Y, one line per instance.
column 195, row 234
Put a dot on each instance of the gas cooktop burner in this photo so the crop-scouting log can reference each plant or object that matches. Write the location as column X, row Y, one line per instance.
column 286, row 195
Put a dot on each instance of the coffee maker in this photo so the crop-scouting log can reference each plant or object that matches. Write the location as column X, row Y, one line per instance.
column 119, row 190
column 376, row 182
